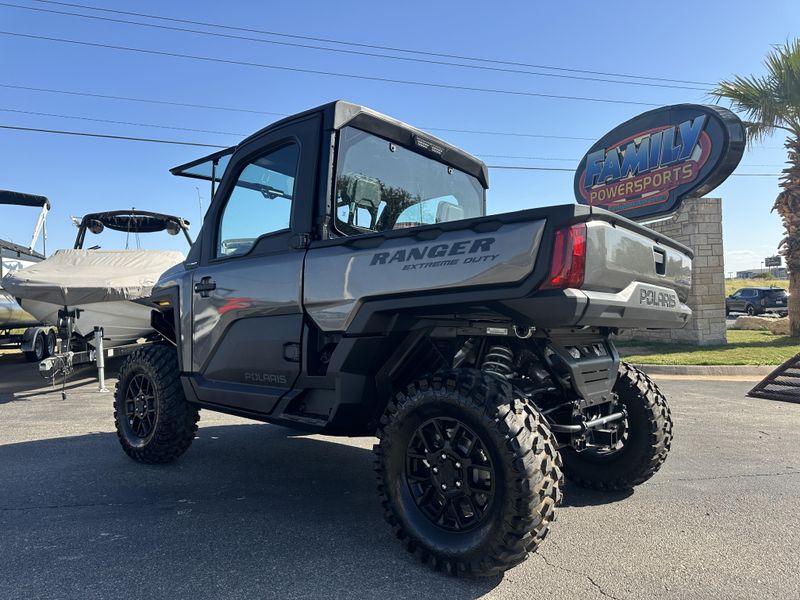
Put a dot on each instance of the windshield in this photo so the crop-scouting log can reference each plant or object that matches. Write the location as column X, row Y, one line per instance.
column 382, row 186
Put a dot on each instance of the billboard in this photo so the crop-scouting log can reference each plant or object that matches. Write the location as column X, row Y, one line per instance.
column 646, row 166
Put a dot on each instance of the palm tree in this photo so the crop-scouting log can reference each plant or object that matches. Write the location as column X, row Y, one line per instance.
column 771, row 102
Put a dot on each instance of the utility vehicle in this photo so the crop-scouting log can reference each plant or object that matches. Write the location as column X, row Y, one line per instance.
column 348, row 281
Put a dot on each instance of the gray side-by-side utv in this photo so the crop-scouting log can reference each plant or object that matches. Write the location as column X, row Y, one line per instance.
column 348, row 281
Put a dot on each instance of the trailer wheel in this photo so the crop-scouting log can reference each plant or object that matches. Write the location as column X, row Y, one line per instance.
column 469, row 479
column 155, row 423
column 50, row 345
column 644, row 445
column 39, row 349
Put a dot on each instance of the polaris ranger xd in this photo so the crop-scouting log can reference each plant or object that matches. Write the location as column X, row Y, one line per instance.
column 348, row 281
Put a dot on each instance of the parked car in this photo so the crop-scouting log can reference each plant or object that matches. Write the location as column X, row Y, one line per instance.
column 757, row 301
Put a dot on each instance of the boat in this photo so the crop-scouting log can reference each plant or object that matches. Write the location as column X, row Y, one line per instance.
column 95, row 287
column 14, row 257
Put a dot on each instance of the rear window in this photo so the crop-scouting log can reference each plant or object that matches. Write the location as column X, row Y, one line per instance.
column 775, row 293
column 382, row 186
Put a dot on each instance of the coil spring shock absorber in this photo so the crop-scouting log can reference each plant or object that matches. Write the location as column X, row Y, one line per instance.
column 499, row 361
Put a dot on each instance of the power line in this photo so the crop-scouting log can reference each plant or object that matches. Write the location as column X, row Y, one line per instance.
column 242, row 135
column 372, row 46
column 114, row 122
column 261, row 112
column 110, row 137
column 243, row 63
column 353, row 52
column 183, row 143
column 524, row 168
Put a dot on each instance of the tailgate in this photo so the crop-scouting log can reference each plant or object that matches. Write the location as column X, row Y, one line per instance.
column 635, row 277
column 617, row 256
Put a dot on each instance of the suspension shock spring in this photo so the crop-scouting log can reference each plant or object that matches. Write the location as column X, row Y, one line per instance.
column 499, row 361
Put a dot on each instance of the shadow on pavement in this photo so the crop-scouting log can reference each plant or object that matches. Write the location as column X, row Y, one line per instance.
column 577, row 496
column 250, row 511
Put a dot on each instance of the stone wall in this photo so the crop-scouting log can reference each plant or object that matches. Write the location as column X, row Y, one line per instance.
column 698, row 224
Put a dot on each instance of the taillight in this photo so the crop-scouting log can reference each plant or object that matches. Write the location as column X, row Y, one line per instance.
column 569, row 258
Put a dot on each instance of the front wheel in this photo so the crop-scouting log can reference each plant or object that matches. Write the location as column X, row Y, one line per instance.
column 643, row 446
column 469, row 477
column 155, row 423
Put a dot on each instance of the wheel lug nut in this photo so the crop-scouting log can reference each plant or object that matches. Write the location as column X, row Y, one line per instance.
column 458, row 465
column 435, row 470
column 444, row 456
column 444, row 486
column 458, row 484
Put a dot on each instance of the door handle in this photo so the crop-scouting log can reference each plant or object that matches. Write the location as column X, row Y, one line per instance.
column 204, row 287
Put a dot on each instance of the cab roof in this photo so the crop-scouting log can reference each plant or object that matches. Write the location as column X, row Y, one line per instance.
column 339, row 114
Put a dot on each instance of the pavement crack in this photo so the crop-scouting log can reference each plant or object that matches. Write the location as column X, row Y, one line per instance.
column 58, row 506
column 573, row 572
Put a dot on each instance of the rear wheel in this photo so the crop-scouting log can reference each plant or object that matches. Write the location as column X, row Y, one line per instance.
column 155, row 423
column 643, row 445
column 469, row 478
column 39, row 350
column 751, row 310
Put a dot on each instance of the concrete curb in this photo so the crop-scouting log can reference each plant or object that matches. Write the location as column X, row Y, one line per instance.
column 701, row 370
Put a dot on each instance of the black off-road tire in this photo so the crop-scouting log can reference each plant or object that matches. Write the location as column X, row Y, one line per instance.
column 527, row 475
column 647, row 442
column 751, row 310
column 175, row 420
column 39, row 351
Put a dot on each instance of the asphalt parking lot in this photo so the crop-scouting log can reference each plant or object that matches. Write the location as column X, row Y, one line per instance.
column 258, row 511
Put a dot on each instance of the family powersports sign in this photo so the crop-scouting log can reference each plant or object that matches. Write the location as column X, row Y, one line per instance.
column 646, row 166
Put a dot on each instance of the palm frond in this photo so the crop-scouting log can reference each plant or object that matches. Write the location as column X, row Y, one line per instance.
column 770, row 101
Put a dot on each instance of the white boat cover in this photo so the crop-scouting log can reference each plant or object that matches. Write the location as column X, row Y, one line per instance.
column 72, row 277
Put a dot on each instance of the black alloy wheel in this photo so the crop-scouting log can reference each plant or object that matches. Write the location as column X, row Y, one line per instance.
column 155, row 424
column 450, row 474
column 140, row 406
column 468, row 473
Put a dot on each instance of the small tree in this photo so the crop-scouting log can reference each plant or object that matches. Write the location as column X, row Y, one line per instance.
column 771, row 102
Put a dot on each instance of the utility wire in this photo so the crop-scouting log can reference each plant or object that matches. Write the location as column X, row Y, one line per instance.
column 242, row 135
column 354, row 52
column 183, row 143
column 371, row 46
column 243, row 63
column 261, row 112
column 111, row 121
column 110, row 137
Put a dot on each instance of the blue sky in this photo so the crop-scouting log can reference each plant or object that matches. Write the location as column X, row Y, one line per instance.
column 697, row 41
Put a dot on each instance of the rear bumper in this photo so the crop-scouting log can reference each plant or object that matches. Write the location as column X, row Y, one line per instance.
column 638, row 306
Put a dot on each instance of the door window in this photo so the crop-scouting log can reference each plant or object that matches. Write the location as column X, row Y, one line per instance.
column 260, row 203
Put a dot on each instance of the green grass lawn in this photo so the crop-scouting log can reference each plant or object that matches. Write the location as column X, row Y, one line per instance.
column 731, row 285
column 743, row 348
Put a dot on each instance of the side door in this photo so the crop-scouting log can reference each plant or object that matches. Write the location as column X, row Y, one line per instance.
column 747, row 297
column 246, row 303
column 735, row 302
